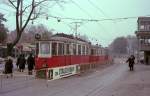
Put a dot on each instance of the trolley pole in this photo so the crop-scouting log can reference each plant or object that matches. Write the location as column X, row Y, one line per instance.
column 77, row 24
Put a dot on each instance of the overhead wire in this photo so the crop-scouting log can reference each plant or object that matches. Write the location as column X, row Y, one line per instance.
column 98, row 8
column 99, row 20
column 104, row 14
column 88, row 14
column 95, row 19
column 76, row 4
column 101, row 11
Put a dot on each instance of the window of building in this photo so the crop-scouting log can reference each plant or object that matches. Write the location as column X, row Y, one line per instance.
column 141, row 27
column 144, row 25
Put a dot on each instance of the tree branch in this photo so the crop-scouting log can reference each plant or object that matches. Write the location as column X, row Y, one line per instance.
column 38, row 3
column 29, row 17
column 17, row 19
column 26, row 8
column 11, row 2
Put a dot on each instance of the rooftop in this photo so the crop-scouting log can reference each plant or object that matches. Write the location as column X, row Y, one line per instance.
column 144, row 18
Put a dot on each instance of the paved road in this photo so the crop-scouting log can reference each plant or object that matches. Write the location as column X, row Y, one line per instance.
column 115, row 80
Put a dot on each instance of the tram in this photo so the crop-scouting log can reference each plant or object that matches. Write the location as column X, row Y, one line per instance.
column 65, row 55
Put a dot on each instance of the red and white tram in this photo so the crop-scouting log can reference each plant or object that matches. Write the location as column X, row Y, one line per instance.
column 64, row 55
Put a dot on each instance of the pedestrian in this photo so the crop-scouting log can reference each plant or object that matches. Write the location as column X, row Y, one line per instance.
column 131, row 62
column 133, row 57
column 18, row 61
column 31, row 63
column 22, row 62
column 9, row 66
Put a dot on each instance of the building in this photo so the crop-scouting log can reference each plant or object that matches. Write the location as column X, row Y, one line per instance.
column 3, row 51
column 143, row 35
column 26, row 48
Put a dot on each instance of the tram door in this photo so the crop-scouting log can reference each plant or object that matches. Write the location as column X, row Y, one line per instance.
column 68, row 55
column 50, row 74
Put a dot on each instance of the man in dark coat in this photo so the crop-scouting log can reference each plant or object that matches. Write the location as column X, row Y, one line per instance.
column 31, row 63
column 18, row 61
column 9, row 66
column 22, row 62
column 131, row 62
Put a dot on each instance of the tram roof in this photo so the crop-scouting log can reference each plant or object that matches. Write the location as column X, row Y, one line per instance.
column 68, row 36
column 61, row 37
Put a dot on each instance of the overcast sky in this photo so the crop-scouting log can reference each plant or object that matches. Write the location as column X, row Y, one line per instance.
column 103, row 31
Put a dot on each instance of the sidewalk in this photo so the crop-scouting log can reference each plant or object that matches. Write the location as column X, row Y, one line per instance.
column 18, row 81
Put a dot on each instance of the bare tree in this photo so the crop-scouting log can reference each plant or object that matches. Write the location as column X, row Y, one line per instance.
column 25, row 11
column 3, row 29
column 119, row 45
column 45, row 33
column 40, row 29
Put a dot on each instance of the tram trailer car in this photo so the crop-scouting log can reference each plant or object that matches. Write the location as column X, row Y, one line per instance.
column 64, row 55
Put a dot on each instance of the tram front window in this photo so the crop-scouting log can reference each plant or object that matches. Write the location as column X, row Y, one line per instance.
column 45, row 48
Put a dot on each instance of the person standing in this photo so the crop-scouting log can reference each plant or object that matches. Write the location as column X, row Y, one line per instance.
column 31, row 63
column 18, row 61
column 22, row 62
column 9, row 66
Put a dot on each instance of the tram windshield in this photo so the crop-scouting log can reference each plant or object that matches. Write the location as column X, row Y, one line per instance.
column 44, row 48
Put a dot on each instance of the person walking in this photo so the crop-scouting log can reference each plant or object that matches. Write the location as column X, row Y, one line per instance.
column 9, row 66
column 22, row 62
column 31, row 63
column 131, row 62
column 18, row 61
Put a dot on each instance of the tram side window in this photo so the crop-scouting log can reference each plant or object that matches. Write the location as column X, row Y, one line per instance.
column 92, row 51
column 54, row 48
column 45, row 48
column 60, row 49
column 101, row 51
column 87, row 51
column 96, row 52
column 74, row 49
column 83, row 50
column 79, row 49
column 67, row 49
